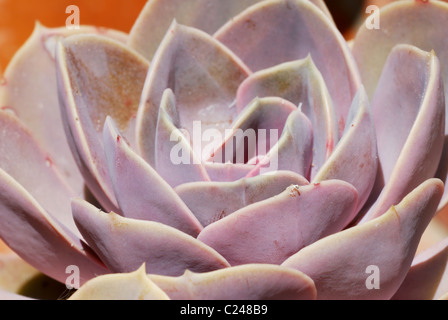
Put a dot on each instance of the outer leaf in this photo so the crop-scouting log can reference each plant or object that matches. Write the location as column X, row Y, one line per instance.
column 124, row 244
column 23, row 159
column 248, row 282
column 425, row 274
column 339, row 264
column 411, row 137
column 97, row 77
column 157, row 15
column 28, row 87
column 38, row 238
column 133, row 286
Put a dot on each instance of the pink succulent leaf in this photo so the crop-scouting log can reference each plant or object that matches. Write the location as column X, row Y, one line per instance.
column 29, row 89
column 397, row 21
column 227, row 172
column 386, row 244
column 175, row 159
column 355, row 158
column 425, row 274
column 273, row 32
column 123, row 286
column 125, row 244
column 140, row 191
column 301, row 83
column 401, row 22
column 293, row 151
column 272, row 230
column 248, row 282
column 157, row 15
column 23, row 159
column 97, row 77
column 410, row 139
column 4, row 295
column 204, row 76
column 52, row 247
column 212, row 201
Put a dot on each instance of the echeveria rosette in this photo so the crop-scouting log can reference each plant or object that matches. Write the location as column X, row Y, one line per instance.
column 355, row 181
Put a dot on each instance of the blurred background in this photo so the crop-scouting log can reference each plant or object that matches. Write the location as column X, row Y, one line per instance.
column 18, row 17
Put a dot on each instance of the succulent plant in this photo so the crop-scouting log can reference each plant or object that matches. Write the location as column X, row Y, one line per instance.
column 231, row 150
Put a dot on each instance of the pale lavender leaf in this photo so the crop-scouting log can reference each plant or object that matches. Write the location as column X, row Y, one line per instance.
column 28, row 88
column 212, row 201
column 125, row 244
column 140, row 191
column 97, row 77
column 157, row 15
column 23, row 158
column 301, row 83
column 355, row 158
column 39, row 239
column 277, row 31
column 386, row 245
column 272, row 230
column 204, row 76
column 175, row 159
column 248, row 282
column 410, row 138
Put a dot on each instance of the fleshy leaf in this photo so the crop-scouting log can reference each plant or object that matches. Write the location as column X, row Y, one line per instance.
column 301, row 83
column 353, row 258
column 132, row 286
column 125, row 244
column 204, row 76
column 212, row 201
column 248, row 282
column 355, row 158
column 401, row 22
column 227, row 172
column 410, row 138
column 425, row 274
column 272, row 230
column 276, row 31
column 140, row 191
column 38, row 238
column 175, row 159
column 23, row 159
column 28, row 88
column 97, row 77
column 157, row 15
